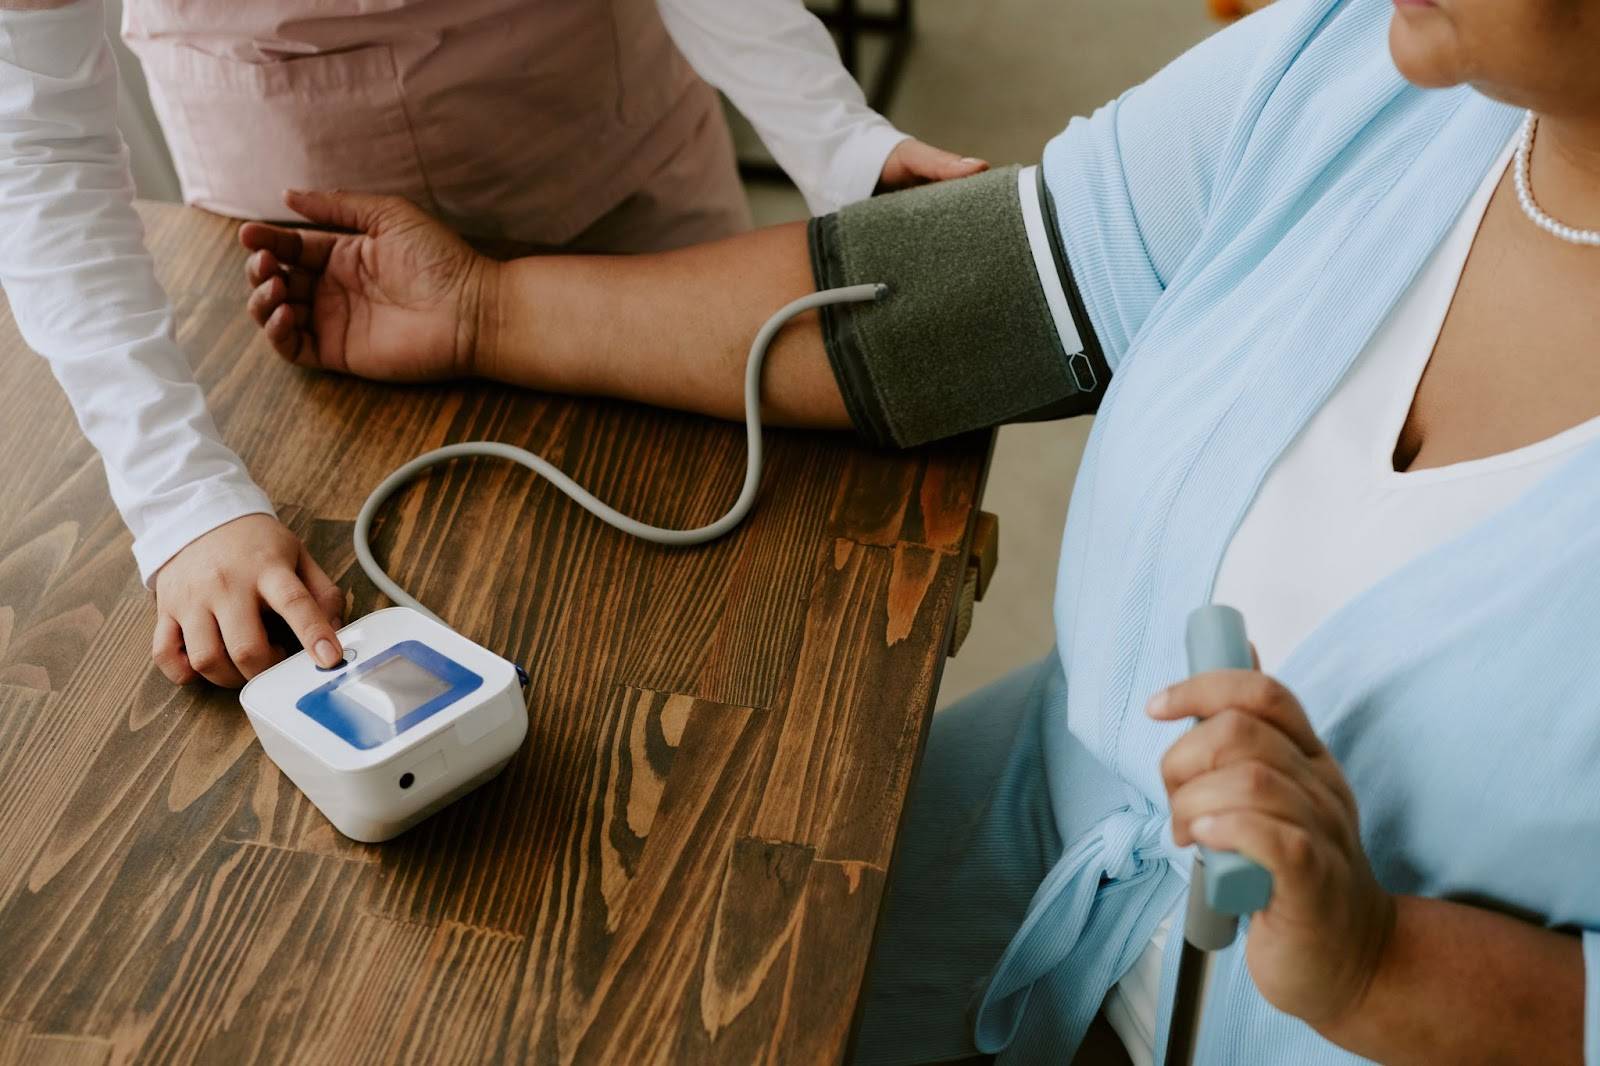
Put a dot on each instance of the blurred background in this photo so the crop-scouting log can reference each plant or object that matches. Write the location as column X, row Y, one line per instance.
column 994, row 79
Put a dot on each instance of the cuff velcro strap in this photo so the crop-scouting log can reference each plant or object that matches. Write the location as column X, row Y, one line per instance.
column 982, row 325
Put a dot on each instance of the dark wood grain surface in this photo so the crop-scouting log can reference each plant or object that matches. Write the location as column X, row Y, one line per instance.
column 685, row 861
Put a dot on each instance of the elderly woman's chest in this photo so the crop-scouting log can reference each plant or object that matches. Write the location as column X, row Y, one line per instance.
column 1517, row 358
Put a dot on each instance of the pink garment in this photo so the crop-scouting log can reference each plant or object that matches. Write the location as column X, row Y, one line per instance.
column 515, row 121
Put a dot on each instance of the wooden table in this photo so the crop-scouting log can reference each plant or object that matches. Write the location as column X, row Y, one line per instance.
column 684, row 863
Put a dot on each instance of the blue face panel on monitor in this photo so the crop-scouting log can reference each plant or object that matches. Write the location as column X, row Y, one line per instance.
column 389, row 693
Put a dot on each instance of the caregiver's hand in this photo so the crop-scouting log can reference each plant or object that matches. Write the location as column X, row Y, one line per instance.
column 397, row 300
column 1252, row 777
column 211, row 595
column 915, row 163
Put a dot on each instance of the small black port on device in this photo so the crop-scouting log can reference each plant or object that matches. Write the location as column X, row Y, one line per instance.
column 407, row 779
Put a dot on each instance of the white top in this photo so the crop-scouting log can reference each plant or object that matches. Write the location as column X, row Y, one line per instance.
column 777, row 63
column 84, row 292
column 1333, row 517
column 85, row 296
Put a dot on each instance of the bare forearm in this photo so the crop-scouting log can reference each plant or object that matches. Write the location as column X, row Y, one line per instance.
column 1464, row 985
column 671, row 329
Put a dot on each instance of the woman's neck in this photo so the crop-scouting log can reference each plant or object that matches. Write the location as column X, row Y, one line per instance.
column 1565, row 170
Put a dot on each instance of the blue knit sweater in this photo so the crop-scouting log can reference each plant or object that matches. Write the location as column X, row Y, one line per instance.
column 1239, row 226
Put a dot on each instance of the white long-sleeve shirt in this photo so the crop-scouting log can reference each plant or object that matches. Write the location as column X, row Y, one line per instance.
column 777, row 63
column 84, row 293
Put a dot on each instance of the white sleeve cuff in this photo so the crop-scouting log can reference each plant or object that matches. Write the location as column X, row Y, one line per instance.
column 856, row 166
column 172, row 533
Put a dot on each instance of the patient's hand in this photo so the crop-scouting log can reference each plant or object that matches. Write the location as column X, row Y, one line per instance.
column 396, row 300
column 1254, row 777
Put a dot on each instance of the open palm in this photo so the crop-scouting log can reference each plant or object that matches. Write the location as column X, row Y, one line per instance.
column 395, row 300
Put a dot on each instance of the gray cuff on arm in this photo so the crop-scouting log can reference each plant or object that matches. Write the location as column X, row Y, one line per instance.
column 983, row 324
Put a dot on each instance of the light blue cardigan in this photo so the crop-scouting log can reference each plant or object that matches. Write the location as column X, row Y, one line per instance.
column 1239, row 226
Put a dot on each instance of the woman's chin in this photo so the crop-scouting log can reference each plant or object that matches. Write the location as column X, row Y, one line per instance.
column 1422, row 44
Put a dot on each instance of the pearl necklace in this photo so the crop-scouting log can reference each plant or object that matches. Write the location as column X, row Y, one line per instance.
column 1519, row 174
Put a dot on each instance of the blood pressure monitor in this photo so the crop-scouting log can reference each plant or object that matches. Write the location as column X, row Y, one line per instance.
column 415, row 717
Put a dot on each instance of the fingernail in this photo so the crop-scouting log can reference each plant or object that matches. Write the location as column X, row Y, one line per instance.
column 1202, row 825
column 326, row 653
column 968, row 160
column 1158, row 703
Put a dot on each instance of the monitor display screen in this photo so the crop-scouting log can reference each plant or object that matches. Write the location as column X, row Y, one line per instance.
column 394, row 690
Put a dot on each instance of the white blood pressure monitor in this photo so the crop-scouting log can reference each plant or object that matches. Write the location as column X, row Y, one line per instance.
column 415, row 717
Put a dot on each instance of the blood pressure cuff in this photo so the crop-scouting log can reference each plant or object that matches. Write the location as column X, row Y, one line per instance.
column 983, row 324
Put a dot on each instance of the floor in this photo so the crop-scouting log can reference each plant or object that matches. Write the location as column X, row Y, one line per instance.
column 997, row 79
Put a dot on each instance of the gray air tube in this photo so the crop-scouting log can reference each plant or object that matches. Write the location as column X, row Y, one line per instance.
column 582, row 496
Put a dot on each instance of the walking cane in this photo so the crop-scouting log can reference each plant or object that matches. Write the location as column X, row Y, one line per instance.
column 1223, row 885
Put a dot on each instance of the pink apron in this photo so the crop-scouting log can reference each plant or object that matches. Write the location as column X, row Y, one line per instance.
column 518, row 122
